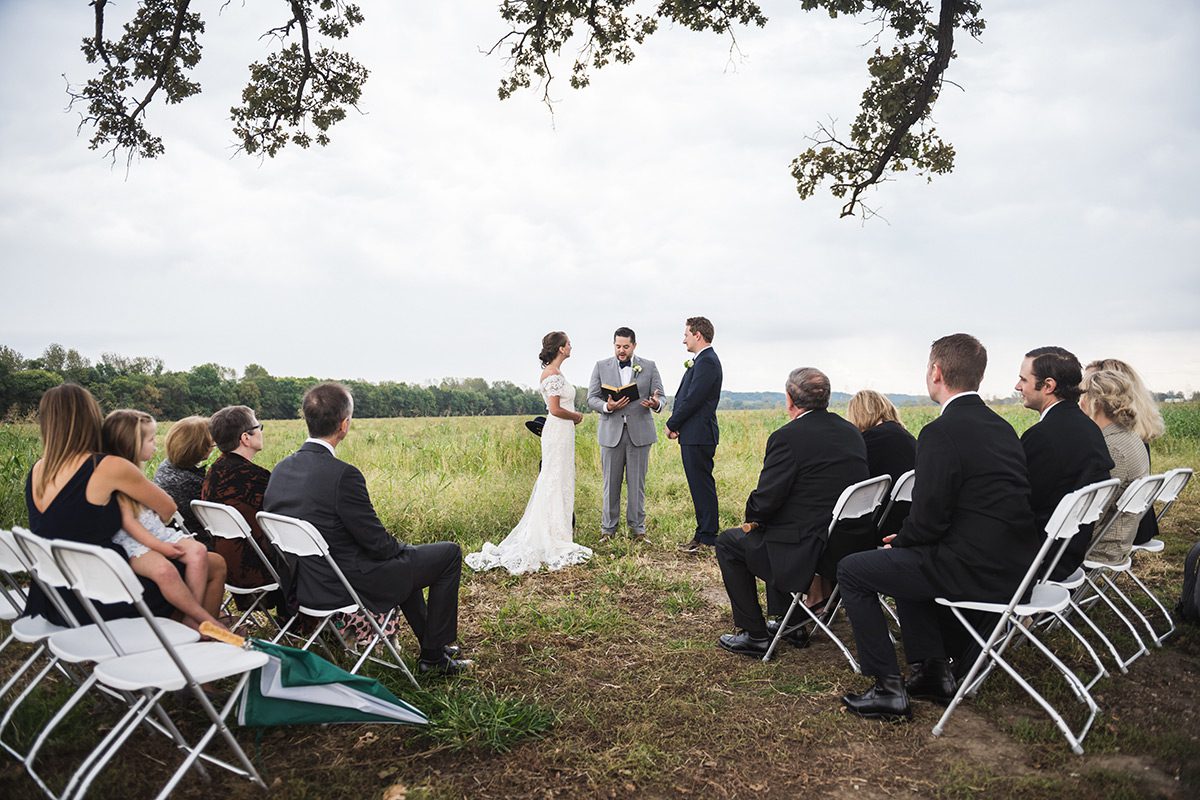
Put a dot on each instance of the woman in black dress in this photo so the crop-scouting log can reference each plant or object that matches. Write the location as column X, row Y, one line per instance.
column 891, row 449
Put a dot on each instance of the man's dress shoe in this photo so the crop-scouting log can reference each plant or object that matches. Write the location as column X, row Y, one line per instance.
column 447, row 666
column 695, row 547
column 931, row 680
column 798, row 637
column 745, row 644
column 885, row 700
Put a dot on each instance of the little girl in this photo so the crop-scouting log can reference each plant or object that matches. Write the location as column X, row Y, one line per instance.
column 146, row 540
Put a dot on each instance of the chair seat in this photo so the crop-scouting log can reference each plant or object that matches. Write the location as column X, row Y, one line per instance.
column 328, row 612
column 266, row 587
column 1122, row 567
column 1045, row 598
column 76, row 645
column 31, row 630
column 1072, row 581
column 207, row 661
column 1152, row 546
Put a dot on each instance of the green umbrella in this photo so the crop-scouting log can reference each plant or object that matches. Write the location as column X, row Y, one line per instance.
column 297, row 687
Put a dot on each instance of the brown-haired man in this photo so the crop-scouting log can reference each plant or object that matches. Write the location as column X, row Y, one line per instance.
column 969, row 535
column 314, row 485
column 693, row 422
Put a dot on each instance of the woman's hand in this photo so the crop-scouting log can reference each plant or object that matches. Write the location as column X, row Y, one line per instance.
column 578, row 418
column 172, row 550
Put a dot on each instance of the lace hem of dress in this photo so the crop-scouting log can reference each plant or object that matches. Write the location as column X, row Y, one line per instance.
column 491, row 556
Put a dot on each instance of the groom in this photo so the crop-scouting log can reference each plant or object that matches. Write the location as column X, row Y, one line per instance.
column 626, row 432
column 694, row 423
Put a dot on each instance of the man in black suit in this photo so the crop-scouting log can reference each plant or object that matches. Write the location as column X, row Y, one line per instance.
column 809, row 462
column 1065, row 450
column 969, row 535
column 312, row 484
column 693, row 422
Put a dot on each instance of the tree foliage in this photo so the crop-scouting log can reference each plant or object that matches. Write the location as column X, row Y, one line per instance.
column 304, row 88
column 142, row 383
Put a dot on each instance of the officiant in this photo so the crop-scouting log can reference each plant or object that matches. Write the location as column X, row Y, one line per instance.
column 625, row 389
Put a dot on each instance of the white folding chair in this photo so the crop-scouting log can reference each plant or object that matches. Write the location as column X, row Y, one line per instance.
column 1045, row 598
column 300, row 538
column 1174, row 482
column 1098, row 577
column 902, row 491
column 856, row 501
column 100, row 575
column 12, row 593
column 226, row 522
column 87, row 644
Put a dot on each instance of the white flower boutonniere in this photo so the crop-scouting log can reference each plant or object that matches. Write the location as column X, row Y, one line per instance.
column 637, row 368
column 689, row 363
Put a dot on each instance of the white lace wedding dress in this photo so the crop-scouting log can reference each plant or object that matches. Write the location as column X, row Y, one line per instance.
column 543, row 536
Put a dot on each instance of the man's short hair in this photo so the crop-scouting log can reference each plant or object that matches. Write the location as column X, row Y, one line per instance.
column 627, row 333
column 809, row 388
column 188, row 442
column 228, row 425
column 325, row 406
column 1062, row 366
column 962, row 358
column 702, row 326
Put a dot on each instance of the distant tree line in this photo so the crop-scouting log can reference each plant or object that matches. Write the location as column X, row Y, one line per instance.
column 139, row 382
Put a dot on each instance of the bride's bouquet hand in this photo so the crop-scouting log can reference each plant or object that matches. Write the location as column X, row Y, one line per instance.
column 578, row 418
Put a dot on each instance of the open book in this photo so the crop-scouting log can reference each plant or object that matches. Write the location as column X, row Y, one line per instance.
column 615, row 393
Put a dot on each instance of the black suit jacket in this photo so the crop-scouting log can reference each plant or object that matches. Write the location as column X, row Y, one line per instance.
column 694, row 409
column 808, row 463
column 891, row 451
column 1065, row 451
column 315, row 486
column 970, row 517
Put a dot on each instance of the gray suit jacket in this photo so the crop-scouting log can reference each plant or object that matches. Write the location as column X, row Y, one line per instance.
column 642, row 430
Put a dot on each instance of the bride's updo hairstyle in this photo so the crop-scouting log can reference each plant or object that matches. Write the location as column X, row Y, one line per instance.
column 551, row 343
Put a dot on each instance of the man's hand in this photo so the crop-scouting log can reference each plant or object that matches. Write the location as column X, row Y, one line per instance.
column 672, row 434
column 887, row 541
column 617, row 406
column 651, row 403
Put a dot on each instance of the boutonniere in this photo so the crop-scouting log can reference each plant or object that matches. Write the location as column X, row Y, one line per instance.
column 689, row 363
column 637, row 368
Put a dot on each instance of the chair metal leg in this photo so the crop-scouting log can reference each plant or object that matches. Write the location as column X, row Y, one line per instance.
column 1141, row 651
column 782, row 627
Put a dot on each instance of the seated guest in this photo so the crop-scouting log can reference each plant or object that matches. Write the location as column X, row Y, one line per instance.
column 891, row 449
column 181, row 473
column 235, row 480
column 71, row 494
column 969, row 535
column 314, row 485
column 808, row 463
column 1109, row 398
column 1148, row 425
column 1064, row 451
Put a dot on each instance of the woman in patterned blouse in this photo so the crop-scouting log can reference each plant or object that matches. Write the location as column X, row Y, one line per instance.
column 181, row 473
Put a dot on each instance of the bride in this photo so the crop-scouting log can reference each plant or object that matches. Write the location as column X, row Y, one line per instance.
column 543, row 536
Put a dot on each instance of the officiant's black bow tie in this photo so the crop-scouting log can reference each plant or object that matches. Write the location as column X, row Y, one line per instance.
column 624, row 364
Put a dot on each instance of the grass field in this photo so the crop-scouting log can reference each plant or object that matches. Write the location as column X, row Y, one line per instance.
column 603, row 680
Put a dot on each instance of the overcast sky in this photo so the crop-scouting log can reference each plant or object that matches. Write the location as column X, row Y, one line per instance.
column 443, row 232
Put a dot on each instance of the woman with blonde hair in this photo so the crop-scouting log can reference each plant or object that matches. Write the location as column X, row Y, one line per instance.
column 1110, row 399
column 1148, row 426
column 181, row 473
column 71, row 492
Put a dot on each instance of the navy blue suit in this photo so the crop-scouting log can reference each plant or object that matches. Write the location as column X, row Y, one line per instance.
column 694, row 418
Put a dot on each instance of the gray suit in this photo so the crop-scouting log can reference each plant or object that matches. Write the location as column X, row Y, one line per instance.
column 625, row 439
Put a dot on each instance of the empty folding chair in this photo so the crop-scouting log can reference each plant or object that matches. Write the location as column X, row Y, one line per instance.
column 1174, row 482
column 1045, row 598
column 227, row 523
column 856, row 501
column 99, row 575
column 300, row 538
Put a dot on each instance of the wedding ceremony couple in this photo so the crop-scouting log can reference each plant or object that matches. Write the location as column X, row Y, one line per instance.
column 626, row 431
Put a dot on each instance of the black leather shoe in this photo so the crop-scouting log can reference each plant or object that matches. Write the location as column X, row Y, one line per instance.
column 745, row 644
column 799, row 637
column 452, row 651
column 885, row 700
column 931, row 680
column 447, row 666
column 693, row 547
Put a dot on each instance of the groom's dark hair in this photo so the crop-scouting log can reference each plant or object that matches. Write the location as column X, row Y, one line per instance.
column 702, row 326
column 627, row 333
column 325, row 406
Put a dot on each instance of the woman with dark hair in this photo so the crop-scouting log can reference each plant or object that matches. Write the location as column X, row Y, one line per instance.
column 544, row 536
column 181, row 473
column 71, row 493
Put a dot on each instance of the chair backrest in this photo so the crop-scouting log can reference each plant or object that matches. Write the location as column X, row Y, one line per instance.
column 38, row 556
column 292, row 535
column 903, row 488
column 221, row 520
column 97, row 573
column 860, row 499
column 1173, row 483
column 1068, row 515
column 1101, row 498
column 1140, row 494
column 11, row 559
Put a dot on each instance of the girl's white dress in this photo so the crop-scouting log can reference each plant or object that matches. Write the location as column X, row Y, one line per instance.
column 150, row 521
